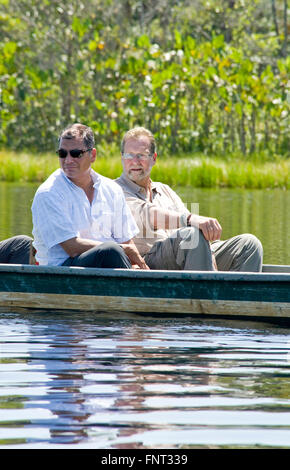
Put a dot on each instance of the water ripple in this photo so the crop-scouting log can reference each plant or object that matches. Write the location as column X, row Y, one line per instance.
column 81, row 381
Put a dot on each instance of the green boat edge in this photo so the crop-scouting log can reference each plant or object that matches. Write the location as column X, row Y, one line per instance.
column 178, row 293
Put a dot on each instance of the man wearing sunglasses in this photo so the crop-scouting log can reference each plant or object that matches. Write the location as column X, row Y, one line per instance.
column 81, row 218
column 170, row 236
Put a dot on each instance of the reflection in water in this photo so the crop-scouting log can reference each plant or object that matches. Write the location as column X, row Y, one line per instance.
column 84, row 381
column 261, row 212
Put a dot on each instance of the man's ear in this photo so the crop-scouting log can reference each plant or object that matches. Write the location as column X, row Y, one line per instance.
column 155, row 156
column 93, row 155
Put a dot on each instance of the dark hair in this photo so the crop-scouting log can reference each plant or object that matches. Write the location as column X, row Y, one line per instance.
column 76, row 131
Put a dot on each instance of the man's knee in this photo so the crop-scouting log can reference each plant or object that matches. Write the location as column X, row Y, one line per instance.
column 191, row 238
column 111, row 255
column 252, row 243
column 112, row 249
column 251, row 253
column 194, row 250
column 16, row 250
column 17, row 240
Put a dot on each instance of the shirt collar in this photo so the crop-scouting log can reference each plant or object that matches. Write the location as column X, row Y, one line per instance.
column 95, row 177
column 135, row 188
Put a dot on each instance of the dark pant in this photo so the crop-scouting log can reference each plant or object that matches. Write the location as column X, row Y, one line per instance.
column 106, row 255
column 15, row 250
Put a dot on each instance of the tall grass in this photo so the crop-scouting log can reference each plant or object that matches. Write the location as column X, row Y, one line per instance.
column 213, row 172
column 195, row 171
column 23, row 167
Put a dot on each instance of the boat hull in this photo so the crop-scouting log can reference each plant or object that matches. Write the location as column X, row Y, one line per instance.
column 196, row 293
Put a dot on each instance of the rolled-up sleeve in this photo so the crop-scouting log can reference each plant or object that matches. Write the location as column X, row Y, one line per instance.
column 50, row 219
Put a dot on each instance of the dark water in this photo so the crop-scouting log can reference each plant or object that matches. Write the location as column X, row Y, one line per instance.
column 84, row 381
column 93, row 382
column 265, row 213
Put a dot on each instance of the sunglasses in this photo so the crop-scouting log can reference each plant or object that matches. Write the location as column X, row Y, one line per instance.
column 74, row 153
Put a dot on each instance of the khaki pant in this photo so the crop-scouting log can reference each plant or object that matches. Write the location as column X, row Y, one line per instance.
column 187, row 249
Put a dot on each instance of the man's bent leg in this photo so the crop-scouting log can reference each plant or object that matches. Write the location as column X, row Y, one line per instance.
column 106, row 255
column 241, row 253
column 185, row 249
column 16, row 250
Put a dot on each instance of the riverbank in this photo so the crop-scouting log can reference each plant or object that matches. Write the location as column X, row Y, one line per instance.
column 197, row 171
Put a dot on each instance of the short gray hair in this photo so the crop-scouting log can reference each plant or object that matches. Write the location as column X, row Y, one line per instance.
column 137, row 132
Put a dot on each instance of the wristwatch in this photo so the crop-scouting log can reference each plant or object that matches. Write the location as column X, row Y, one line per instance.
column 184, row 220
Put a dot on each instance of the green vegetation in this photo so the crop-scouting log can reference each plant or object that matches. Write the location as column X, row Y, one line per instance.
column 209, row 77
column 22, row 167
column 205, row 172
column 198, row 171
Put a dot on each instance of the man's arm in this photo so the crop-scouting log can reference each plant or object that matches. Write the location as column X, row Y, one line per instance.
column 165, row 219
column 147, row 213
column 210, row 227
column 76, row 246
column 133, row 254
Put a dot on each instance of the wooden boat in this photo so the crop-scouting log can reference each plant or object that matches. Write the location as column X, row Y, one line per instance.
column 223, row 294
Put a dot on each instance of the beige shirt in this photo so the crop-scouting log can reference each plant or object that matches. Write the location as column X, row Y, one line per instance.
column 140, row 205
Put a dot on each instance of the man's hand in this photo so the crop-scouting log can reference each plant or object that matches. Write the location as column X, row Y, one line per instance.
column 134, row 256
column 210, row 227
column 215, row 268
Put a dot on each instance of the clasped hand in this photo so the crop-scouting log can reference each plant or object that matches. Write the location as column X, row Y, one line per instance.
column 210, row 227
column 135, row 258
